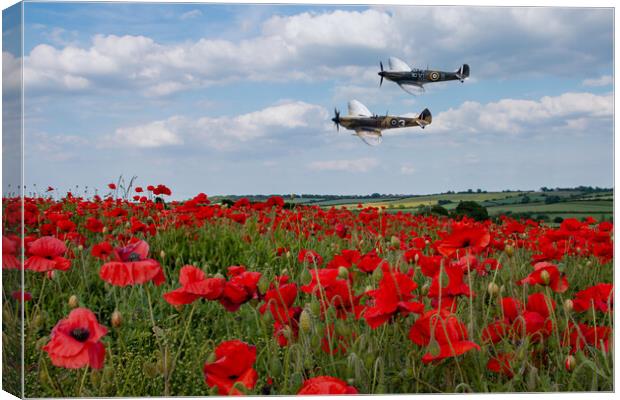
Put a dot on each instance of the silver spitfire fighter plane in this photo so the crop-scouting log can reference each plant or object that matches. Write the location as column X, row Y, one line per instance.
column 368, row 127
column 413, row 80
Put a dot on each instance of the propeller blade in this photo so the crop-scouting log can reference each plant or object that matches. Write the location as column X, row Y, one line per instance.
column 381, row 73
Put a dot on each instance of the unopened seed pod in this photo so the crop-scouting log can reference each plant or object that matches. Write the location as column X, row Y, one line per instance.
column 493, row 288
column 568, row 305
column 570, row 363
column 116, row 319
column 305, row 321
column 509, row 250
column 343, row 273
column 263, row 284
column 545, row 277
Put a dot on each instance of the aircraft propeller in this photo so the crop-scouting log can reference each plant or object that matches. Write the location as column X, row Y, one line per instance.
column 336, row 119
column 381, row 73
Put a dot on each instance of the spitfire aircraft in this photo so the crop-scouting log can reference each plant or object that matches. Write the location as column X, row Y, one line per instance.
column 413, row 80
column 368, row 127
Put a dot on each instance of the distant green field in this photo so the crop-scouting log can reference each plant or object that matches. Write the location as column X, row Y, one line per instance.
column 587, row 206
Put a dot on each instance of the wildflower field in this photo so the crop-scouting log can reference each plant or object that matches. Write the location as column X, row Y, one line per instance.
column 128, row 295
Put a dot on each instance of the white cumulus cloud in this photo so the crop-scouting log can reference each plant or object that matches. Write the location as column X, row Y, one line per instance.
column 355, row 165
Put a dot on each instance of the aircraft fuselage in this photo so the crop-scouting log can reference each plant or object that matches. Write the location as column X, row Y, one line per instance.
column 419, row 77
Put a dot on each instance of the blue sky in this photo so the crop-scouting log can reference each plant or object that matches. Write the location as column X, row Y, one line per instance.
column 227, row 99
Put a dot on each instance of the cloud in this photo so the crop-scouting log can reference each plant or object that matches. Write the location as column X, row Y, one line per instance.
column 338, row 44
column 407, row 169
column 514, row 116
column 154, row 134
column 355, row 165
column 604, row 80
column 190, row 14
column 272, row 124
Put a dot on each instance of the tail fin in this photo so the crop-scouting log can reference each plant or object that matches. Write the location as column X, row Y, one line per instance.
column 425, row 118
column 463, row 72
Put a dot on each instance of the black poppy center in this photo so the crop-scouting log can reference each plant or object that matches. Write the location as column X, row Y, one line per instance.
column 134, row 257
column 80, row 334
column 466, row 243
column 233, row 377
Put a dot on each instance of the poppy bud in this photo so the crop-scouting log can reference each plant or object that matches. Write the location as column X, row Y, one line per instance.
column 80, row 247
column 214, row 391
column 288, row 254
column 315, row 342
column 105, row 229
column 416, row 258
column 41, row 342
column 117, row 319
column 425, row 288
column 162, row 254
column 44, row 376
column 377, row 274
column 211, row 358
column 343, row 273
column 395, row 241
column 568, row 305
column 73, row 301
column 493, row 288
column 296, row 380
column 588, row 263
column 306, row 277
column 315, row 307
column 284, row 271
column 263, row 284
column 95, row 377
column 178, row 307
column 342, row 329
column 509, row 250
column 38, row 321
column 545, row 277
column 570, row 363
column 368, row 288
column 275, row 366
column 305, row 321
column 219, row 275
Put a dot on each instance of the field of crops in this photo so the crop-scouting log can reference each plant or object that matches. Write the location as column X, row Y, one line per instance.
column 141, row 297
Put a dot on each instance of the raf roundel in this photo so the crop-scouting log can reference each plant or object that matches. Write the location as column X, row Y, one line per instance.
column 434, row 75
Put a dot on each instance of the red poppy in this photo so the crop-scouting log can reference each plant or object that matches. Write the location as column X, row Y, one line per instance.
column 50, row 189
column 94, row 225
column 466, row 238
column 341, row 230
column 162, row 189
column 131, row 266
column 17, row 295
column 331, row 290
column 546, row 274
column 501, row 364
column 311, row 257
column 102, row 250
column 326, row 385
column 112, row 186
column 195, row 285
column 446, row 335
column 279, row 299
column 9, row 253
column 75, row 341
column 233, row 363
column 600, row 297
column 241, row 288
column 452, row 283
column 370, row 261
column 46, row 254
column 393, row 297
column 533, row 320
column 346, row 258
column 139, row 189
column 578, row 336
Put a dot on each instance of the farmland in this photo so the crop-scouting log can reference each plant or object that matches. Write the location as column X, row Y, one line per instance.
column 129, row 295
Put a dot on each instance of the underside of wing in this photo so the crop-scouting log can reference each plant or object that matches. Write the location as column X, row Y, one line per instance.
column 398, row 65
column 357, row 109
column 371, row 137
column 411, row 88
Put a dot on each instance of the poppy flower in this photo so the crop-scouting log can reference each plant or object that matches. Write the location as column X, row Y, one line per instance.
column 46, row 254
column 326, row 385
column 112, row 186
column 75, row 341
column 449, row 283
column 501, row 364
column 195, row 285
column 49, row 189
column 17, row 295
column 347, row 258
column 370, row 261
column 443, row 331
column 241, row 288
column 130, row 266
column 331, row 290
column 279, row 299
column 94, row 225
column 233, row 363
column 600, row 297
column 518, row 321
column 310, row 257
column 466, row 238
column 578, row 336
column 393, row 297
column 9, row 253
column 102, row 250
column 546, row 274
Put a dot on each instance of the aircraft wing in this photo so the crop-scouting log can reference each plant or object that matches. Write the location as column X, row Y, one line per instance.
column 398, row 65
column 371, row 137
column 411, row 88
column 357, row 109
